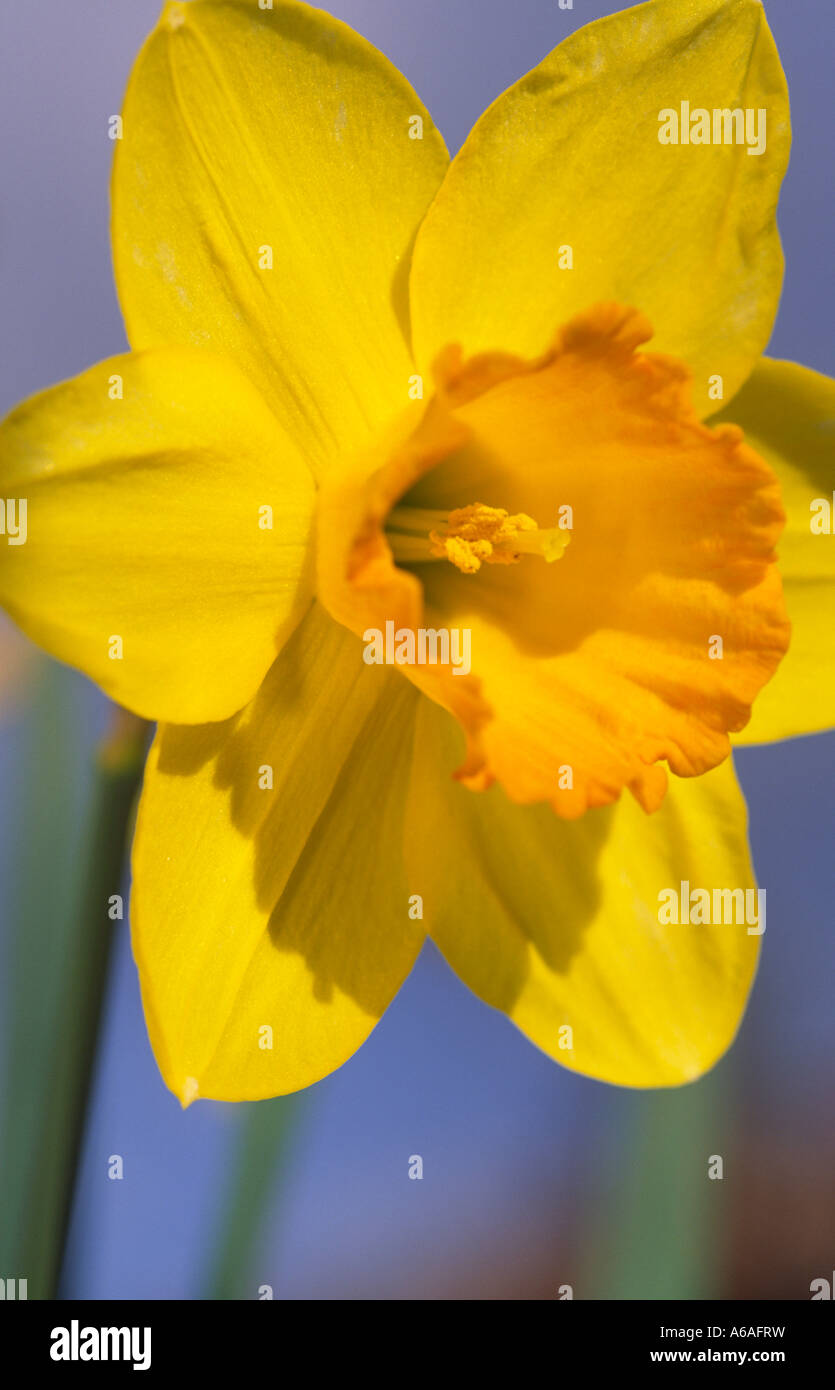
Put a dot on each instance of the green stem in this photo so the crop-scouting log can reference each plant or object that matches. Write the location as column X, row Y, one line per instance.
column 269, row 1131
column 664, row 1214
column 48, row 1201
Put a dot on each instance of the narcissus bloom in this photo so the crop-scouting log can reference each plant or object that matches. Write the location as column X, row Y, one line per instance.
column 368, row 386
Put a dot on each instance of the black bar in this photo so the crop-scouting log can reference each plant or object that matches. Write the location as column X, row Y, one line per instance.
column 254, row 1338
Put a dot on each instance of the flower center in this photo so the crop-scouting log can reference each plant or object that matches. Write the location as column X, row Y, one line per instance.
column 470, row 537
column 590, row 679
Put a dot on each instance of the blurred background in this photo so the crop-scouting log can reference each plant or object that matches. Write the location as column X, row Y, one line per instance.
column 533, row 1179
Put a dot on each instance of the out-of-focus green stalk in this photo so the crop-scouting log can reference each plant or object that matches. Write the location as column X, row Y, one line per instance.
column 46, row 793
column 43, row 1215
column 663, row 1216
column 266, row 1139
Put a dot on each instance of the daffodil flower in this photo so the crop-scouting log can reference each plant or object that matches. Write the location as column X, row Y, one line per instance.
column 368, row 385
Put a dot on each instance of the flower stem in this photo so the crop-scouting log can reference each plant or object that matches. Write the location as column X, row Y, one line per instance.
column 48, row 1200
column 269, row 1130
column 664, row 1214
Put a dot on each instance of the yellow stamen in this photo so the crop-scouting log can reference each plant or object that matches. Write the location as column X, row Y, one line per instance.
column 470, row 537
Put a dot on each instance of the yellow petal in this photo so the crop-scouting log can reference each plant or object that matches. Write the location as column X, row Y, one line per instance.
column 282, row 908
column 570, row 157
column 788, row 414
column 146, row 561
column 556, row 923
column 254, row 135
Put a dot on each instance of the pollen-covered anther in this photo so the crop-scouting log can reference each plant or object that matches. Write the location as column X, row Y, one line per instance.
column 471, row 536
